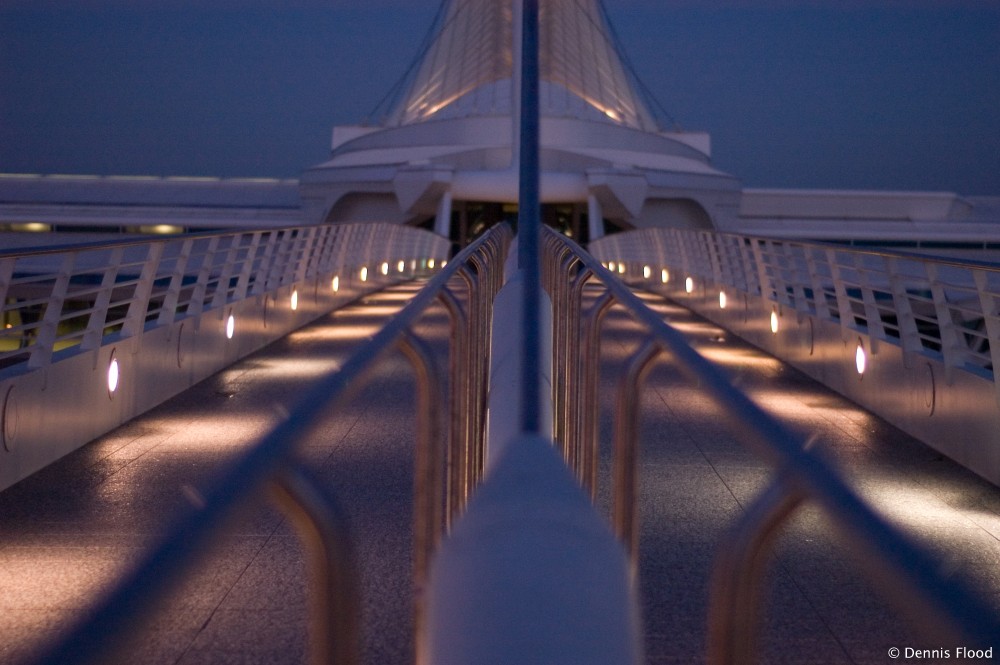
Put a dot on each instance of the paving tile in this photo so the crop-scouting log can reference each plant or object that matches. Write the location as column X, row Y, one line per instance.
column 96, row 513
column 246, row 637
column 60, row 577
column 820, row 609
column 26, row 631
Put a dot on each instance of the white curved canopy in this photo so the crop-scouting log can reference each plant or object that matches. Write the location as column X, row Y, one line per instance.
column 467, row 68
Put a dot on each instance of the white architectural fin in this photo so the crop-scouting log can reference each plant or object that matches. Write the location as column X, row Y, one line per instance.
column 466, row 70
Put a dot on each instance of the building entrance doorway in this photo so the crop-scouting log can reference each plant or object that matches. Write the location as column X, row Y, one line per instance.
column 469, row 219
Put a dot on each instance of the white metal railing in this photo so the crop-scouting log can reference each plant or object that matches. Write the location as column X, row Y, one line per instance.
column 77, row 297
column 937, row 605
column 944, row 308
column 448, row 464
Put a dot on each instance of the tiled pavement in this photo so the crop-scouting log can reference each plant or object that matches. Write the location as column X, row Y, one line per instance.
column 67, row 532
column 695, row 477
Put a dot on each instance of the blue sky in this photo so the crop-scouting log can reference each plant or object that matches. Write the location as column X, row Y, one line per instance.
column 863, row 95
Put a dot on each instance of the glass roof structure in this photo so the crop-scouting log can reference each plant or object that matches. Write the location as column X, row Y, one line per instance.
column 465, row 68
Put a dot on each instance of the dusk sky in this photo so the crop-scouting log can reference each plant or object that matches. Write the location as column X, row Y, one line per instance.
column 898, row 94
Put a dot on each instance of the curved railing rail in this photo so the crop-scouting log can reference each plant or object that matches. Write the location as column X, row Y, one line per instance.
column 944, row 308
column 445, row 472
column 940, row 608
column 81, row 296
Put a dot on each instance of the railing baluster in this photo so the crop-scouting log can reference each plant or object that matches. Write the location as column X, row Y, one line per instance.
column 941, row 608
column 738, row 572
column 135, row 319
column 42, row 349
column 460, row 407
column 625, row 509
column 334, row 595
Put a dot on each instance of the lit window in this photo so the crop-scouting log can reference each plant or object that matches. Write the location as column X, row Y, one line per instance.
column 295, row 300
column 31, row 227
column 774, row 321
column 689, row 285
column 335, row 284
column 364, row 274
column 646, row 272
column 230, row 326
column 860, row 358
column 385, row 268
column 664, row 275
column 722, row 299
column 621, row 268
column 430, row 263
column 400, row 266
column 161, row 229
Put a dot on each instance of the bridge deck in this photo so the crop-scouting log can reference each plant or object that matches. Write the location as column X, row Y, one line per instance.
column 68, row 531
column 695, row 478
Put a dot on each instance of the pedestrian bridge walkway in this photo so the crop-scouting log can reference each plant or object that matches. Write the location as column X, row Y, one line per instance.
column 69, row 532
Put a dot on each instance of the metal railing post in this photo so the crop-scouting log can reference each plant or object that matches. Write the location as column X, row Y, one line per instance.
column 481, row 323
column 428, row 516
column 942, row 608
column 41, row 351
column 737, row 576
column 626, row 459
column 909, row 335
column 334, row 596
column 574, row 372
column 199, row 294
column 460, row 407
column 590, row 407
column 99, row 314
column 528, row 224
column 135, row 319
column 953, row 347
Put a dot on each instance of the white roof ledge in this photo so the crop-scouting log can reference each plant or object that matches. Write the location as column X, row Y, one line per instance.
column 852, row 204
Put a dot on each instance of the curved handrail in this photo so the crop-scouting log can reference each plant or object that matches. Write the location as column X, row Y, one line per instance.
column 908, row 576
column 59, row 297
column 265, row 463
column 944, row 308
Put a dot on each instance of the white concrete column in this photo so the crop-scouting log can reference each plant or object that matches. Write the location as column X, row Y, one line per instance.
column 595, row 218
column 442, row 223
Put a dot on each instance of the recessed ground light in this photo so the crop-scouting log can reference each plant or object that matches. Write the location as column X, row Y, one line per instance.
column 114, row 374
